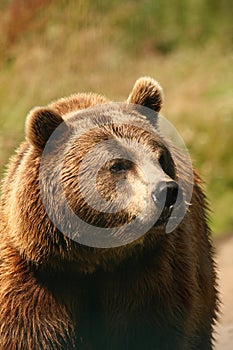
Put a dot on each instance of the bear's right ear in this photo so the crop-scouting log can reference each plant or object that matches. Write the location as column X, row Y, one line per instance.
column 40, row 124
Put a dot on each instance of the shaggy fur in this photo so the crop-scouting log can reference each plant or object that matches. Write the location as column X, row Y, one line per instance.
column 158, row 292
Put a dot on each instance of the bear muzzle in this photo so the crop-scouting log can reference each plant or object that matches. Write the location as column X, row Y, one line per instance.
column 166, row 195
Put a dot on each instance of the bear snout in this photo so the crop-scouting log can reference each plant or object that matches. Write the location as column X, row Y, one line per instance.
column 166, row 194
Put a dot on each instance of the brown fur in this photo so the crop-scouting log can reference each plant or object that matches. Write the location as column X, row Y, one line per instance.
column 158, row 292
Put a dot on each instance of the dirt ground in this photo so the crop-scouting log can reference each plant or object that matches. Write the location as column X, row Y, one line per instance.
column 224, row 329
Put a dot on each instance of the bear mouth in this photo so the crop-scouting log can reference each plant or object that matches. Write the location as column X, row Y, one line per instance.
column 164, row 216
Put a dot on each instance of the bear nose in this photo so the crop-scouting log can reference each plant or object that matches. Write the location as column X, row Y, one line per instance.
column 166, row 193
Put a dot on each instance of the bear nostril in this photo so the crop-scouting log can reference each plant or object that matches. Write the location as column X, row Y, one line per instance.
column 166, row 193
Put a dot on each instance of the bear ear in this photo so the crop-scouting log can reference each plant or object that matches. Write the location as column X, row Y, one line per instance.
column 147, row 92
column 40, row 124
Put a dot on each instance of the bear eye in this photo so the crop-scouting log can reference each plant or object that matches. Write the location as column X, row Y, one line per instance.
column 118, row 167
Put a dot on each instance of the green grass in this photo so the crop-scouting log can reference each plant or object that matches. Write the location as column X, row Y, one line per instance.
column 55, row 48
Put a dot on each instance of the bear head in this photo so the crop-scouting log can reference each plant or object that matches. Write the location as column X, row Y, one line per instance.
column 99, row 178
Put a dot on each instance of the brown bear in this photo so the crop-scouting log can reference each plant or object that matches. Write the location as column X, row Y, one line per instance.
column 87, row 257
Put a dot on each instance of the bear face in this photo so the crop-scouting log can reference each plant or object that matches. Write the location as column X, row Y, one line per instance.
column 127, row 168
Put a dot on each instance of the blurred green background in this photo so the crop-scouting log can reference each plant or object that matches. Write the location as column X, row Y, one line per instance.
column 49, row 49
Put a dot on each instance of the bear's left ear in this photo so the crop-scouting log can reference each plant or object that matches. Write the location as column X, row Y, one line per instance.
column 147, row 92
column 40, row 124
